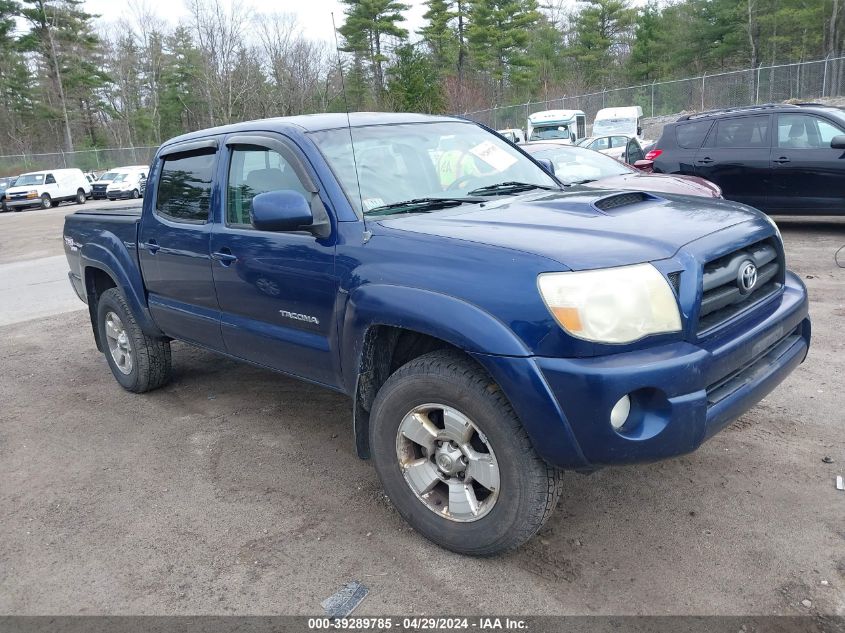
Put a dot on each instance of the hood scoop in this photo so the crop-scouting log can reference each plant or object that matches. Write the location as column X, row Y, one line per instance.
column 619, row 200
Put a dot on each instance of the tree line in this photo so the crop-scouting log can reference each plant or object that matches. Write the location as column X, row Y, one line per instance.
column 70, row 82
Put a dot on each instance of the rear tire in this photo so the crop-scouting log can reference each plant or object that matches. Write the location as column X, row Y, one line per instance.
column 46, row 201
column 138, row 362
column 80, row 196
column 415, row 458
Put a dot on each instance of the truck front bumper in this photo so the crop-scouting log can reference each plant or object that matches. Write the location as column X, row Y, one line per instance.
column 23, row 203
column 681, row 393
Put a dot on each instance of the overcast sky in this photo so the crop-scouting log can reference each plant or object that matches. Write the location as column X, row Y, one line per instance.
column 314, row 16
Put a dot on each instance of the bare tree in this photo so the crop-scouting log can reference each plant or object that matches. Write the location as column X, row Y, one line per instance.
column 297, row 66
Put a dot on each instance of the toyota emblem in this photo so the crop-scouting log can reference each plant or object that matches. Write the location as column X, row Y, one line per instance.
column 747, row 278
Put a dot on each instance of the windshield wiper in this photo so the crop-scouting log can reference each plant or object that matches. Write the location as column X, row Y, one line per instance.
column 421, row 204
column 512, row 186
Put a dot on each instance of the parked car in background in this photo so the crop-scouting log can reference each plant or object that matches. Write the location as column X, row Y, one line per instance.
column 780, row 158
column 101, row 186
column 128, row 184
column 490, row 325
column 5, row 183
column 567, row 125
column 582, row 166
column 514, row 135
column 624, row 148
column 47, row 188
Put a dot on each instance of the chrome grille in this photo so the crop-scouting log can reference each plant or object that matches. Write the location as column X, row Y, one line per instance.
column 725, row 293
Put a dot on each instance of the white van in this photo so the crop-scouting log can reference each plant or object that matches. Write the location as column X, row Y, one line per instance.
column 127, row 184
column 564, row 125
column 47, row 188
column 625, row 121
column 102, row 184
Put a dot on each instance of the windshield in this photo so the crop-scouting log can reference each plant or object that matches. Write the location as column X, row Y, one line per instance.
column 29, row 179
column 615, row 126
column 547, row 132
column 109, row 175
column 574, row 165
column 410, row 161
column 120, row 177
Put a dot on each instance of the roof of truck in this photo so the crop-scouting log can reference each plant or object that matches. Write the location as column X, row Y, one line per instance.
column 315, row 123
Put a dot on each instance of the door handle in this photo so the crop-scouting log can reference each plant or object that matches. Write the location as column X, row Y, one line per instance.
column 152, row 246
column 781, row 160
column 705, row 161
column 224, row 256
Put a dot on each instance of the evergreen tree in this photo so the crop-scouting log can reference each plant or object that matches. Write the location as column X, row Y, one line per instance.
column 498, row 35
column 61, row 35
column 369, row 24
column 413, row 82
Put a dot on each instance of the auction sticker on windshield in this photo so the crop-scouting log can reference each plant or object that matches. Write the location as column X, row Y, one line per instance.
column 493, row 155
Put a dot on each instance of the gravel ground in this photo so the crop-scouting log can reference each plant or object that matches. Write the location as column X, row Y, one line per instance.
column 237, row 491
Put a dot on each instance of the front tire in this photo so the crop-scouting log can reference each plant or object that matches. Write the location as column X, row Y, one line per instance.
column 80, row 196
column 136, row 194
column 46, row 201
column 455, row 460
column 138, row 362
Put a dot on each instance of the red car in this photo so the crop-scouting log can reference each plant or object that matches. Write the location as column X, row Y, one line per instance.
column 580, row 166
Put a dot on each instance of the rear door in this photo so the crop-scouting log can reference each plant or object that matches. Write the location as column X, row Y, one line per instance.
column 173, row 245
column 808, row 175
column 277, row 289
column 735, row 156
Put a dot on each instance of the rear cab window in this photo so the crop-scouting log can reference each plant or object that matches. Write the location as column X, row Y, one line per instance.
column 184, row 187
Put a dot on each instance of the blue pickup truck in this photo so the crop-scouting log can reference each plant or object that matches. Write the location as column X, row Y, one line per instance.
column 492, row 326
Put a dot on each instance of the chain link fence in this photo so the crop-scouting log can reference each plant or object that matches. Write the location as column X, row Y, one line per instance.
column 766, row 84
column 805, row 81
column 95, row 160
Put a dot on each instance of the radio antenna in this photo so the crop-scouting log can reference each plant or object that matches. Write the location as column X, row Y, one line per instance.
column 349, row 128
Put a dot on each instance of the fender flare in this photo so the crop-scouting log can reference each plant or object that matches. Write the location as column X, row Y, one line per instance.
column 464, row 325
column 115, row 260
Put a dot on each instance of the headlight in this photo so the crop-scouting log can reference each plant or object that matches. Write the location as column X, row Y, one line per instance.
column 611, row 305
column 32, row 194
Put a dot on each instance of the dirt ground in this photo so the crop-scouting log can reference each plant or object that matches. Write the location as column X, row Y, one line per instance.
column 237, row 491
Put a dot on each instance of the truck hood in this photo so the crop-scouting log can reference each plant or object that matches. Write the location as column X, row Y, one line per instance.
column 583, row 229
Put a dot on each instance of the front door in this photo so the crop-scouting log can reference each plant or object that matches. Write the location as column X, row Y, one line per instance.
column 277, row 289
column 808, row 175
column 735, row 156
column 173, row 245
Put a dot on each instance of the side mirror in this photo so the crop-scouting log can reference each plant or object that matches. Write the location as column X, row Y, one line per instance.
column 284, row 210
column 644, row 165
column 838, row 142
column 547, row 164
column 639, row 130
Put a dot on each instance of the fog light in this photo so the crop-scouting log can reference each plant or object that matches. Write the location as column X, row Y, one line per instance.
column 619, row 412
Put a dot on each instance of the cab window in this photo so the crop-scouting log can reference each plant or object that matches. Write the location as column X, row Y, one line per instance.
column 50, row 180
column 184, row 187
column 254, row 170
